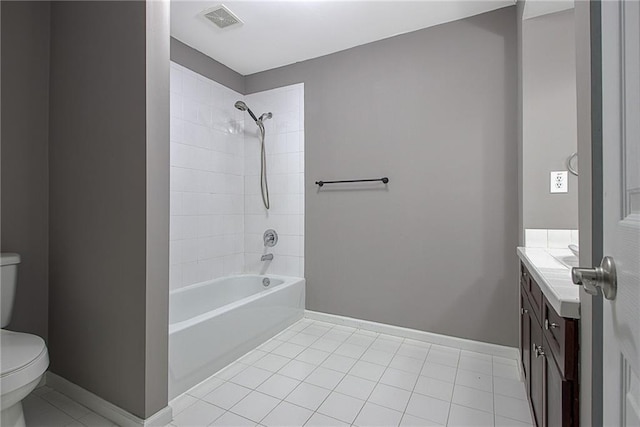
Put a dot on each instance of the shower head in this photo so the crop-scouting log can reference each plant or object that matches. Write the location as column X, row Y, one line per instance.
column 243, row 107
column 265, row 116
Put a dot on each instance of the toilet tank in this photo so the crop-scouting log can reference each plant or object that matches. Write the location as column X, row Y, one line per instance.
column 8, row 282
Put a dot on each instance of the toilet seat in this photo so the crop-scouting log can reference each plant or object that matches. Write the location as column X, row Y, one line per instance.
column 23, row 358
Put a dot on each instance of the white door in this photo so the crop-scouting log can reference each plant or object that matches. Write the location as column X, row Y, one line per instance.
column 621, row 173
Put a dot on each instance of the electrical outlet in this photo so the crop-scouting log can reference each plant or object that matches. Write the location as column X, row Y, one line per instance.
column 559, row 182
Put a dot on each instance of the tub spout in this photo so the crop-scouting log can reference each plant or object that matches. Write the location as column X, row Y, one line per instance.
column 266, row 257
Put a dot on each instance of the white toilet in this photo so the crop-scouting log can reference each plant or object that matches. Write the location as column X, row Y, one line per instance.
column 23, row 357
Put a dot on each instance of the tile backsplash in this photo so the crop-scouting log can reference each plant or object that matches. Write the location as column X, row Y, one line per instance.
column 217, row 218
column 556, row 239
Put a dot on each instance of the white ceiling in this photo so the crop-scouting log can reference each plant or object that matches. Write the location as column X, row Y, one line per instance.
column 277, row 33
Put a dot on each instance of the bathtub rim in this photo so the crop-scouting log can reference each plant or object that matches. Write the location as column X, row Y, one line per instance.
column 287, row 281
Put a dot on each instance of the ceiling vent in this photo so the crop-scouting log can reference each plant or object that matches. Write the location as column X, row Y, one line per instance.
column 222, row 17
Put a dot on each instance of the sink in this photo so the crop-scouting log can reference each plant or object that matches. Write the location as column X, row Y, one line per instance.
column 568, row 260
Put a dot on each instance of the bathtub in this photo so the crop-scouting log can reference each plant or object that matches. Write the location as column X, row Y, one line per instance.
column 213, row 323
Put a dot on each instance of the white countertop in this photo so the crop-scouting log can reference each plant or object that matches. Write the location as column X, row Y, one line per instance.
column 550, row 269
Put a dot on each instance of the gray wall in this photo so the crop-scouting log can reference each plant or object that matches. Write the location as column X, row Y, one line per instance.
column 202, row 64
column 24, row 168
column 104, row 279
column 436, row 111
column 549, row 119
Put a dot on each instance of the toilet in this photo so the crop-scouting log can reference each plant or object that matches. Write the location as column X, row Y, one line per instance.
column 23, row 357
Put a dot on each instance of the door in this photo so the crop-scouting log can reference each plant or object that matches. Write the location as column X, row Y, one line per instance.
column 621, row 213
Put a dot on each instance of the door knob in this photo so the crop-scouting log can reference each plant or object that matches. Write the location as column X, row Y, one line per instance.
column 603, row 277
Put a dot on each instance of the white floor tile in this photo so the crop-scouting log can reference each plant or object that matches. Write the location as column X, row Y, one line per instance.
column 181, row 403
column 360, row 339
column 308, row 396
column 439, row 372
column 411, row 421
column 33, row 404
column 434, row 388
column 413, row 351
column 317, row 330
column 350, row 350
column 419, row 343
column 66, row 405
column 378, row 357
column 227, row 395
column 367, row 370
column 408, row 364
column 205, row 387
column 52, row 417
column 255, row 406
column 300, row 325
column 505, row 361
column 429, row 408
column 341, row 407
column 383, row 344
column 325, row 344
column 251, row 377
column 506, row 371
column 475, row 354
column 401, row 379
column 337, row 335
column 278, row 386
column 473, row 398
column 270, row 345
column 444, row 349
column 303, row 339
column 286, row 335
column 509, row 407
column 231, row 371
column 199, row 414
column 311, row 355
column 507, row 422
column 510, row 388
column 326, row 378
column 476, row 365
column 297, row 369
column 272, row 362
column 288, row 350
column 339, row 363
column 355, row 387
column 390, row 397
column 442, row 358
column 373, row 415
column 229, row 419
column 319, row 420
column 252, row 357
column 95, row 420
column 287, row 415
column 477, row 380
column 461, row 416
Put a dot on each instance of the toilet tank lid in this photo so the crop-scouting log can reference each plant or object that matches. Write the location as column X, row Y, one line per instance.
column 8, row 258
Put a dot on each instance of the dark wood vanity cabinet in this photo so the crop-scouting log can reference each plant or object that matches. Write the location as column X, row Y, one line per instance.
column 549, row 352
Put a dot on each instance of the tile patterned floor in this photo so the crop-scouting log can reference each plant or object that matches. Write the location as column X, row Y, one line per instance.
column 321, row 374
column 46, row 407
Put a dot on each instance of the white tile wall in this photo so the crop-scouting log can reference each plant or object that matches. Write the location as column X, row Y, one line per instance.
column 217, row 216
column 285, row 162
column 551, row 239
column 207, row 180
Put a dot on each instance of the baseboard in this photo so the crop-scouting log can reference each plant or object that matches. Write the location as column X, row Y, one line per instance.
column 461, row 343
column 107, row 409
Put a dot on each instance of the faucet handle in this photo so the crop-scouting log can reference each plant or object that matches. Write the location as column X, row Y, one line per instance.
column 270, row 238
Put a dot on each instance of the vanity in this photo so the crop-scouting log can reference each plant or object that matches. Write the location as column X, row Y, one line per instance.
column 549, row 335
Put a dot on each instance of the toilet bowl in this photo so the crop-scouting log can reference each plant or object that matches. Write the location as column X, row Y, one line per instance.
column 23, row 357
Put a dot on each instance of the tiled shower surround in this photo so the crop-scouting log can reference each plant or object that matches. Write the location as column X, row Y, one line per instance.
column 217, row 218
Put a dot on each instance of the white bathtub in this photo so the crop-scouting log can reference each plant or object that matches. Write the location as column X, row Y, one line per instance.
column 213, row 323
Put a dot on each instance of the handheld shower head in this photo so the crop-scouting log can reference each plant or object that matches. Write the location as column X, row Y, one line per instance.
column 265, row 116
column 243, row 107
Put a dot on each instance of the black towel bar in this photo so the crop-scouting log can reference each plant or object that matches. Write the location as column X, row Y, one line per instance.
column 384, row 180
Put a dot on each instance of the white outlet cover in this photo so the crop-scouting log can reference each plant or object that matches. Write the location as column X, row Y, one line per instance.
column 559, row 182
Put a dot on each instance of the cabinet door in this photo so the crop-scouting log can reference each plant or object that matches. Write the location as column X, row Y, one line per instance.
column 558, row 395
column 525, row 335
column 537, row 382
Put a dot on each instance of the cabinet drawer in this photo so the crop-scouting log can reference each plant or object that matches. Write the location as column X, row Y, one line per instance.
column 537, row 299
column 562, row 338
column 525, row 277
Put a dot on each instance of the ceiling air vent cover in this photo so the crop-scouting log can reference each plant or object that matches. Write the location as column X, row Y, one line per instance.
column 221, row 16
